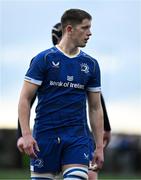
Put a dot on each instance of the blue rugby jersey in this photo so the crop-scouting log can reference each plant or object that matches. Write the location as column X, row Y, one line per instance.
column 63, row 84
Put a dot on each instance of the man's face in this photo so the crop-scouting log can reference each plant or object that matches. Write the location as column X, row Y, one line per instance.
column 81, row 33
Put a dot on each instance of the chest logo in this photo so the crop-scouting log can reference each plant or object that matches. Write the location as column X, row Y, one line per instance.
column 84, row 67
column 56, row 65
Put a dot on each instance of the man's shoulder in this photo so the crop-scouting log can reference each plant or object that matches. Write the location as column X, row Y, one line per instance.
column 88, row 57
column 46, row 52
column 43, row 55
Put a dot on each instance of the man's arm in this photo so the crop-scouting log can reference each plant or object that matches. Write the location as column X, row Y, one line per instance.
column 107, row 127
column 19, row 132
column 96, row 122
column 27, row 94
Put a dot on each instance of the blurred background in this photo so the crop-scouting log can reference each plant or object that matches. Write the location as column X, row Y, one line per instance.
column 25, row 30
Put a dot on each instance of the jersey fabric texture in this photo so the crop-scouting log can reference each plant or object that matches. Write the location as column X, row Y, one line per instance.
column 61, row 110
column 63, row 84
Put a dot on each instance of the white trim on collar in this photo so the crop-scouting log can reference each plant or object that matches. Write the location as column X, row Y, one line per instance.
column 70, row 56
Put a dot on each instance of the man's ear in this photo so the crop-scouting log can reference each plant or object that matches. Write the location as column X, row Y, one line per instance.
column 69, row 28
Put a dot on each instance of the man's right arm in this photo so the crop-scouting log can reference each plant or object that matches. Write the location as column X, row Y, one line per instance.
column 27, row 94
column 19, row 132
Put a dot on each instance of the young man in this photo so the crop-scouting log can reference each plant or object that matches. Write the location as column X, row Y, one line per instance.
column 56, row 37
column 63, row 77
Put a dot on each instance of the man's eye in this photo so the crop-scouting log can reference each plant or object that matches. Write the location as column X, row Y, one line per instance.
column 85, row 27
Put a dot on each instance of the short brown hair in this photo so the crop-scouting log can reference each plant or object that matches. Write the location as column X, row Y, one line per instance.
column 74, row 17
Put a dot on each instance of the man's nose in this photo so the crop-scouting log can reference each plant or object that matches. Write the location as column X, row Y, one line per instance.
column 89, row 33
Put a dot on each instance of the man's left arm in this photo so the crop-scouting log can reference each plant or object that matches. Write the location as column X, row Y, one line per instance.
column 96, row 122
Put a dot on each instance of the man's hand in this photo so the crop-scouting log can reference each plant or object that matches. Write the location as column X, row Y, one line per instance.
column 106, row 138
column 20, row 144
column 98, row 159
column 30, row 146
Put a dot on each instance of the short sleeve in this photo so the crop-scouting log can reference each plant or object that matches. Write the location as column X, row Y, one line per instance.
column 36, row 71
column 94, row 83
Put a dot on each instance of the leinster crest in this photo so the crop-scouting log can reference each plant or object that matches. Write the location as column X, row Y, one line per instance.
column 84, row 67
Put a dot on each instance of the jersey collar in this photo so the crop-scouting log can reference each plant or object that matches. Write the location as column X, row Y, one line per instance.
column 70, row 56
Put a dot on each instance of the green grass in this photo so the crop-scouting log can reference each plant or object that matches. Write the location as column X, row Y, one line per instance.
column 119, row 176
column 15, row 174
column 24, row 174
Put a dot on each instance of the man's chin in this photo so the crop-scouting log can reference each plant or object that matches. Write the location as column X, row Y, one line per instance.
column 82, row 45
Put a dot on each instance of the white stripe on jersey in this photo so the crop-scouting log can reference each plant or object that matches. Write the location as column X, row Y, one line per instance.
column 34, row 81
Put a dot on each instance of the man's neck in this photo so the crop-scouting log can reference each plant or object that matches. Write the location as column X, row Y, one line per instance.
column 68, row 47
